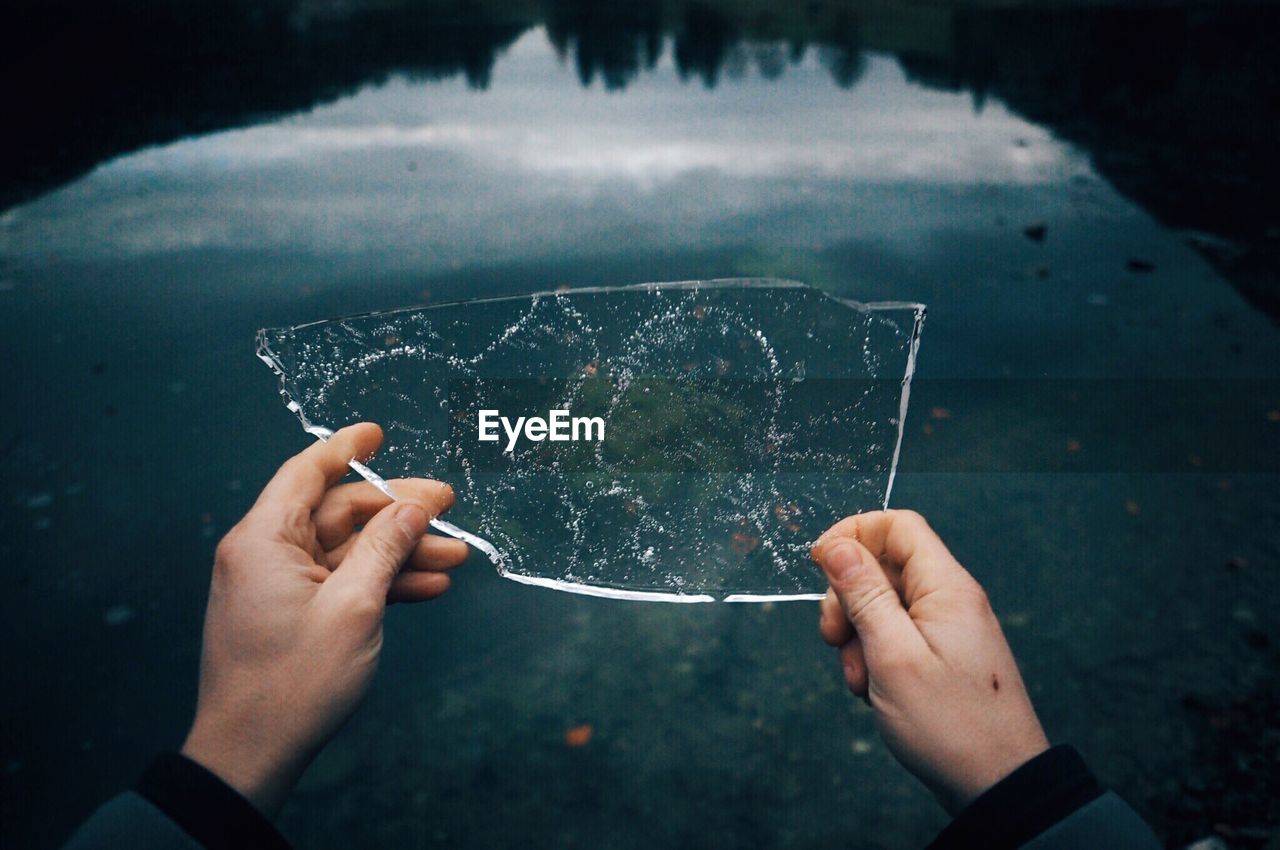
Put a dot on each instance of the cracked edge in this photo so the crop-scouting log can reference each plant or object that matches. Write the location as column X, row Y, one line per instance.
column 322, row 433
column 905, row 397
column 499, row 560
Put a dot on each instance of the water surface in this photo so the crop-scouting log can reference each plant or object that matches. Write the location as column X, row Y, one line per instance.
column 138, row 426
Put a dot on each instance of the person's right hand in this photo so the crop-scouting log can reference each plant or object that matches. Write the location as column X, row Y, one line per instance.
column 919, row 642
column 293, row 631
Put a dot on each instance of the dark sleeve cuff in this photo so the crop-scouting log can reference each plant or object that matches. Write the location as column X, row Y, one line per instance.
column 1023, row 804
column 207, row 809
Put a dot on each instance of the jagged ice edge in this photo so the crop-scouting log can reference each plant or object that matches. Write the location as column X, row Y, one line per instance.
column 267, row 356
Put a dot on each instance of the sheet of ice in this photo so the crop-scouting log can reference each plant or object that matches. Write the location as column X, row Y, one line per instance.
column 740, row 418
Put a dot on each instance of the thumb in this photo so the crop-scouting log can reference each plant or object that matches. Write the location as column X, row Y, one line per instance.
column 381, row 548
column 867, row 598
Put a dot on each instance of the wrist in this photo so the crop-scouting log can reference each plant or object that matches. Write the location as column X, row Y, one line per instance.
column 213, row 813
column 981, row 773
column 1023, row 804
column 260, row 769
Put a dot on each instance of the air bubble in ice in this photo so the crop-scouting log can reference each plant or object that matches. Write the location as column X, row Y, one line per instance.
column 741, row 419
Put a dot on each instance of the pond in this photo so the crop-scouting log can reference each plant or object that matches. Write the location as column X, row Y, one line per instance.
column 1085, row 200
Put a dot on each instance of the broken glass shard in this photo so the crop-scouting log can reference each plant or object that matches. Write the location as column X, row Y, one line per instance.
column 674, row 441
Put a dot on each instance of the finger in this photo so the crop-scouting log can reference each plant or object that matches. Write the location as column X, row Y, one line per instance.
column 343, row 508
column 832, row 622
column 868, row 599
column 348, row 505
column 904, row 544
column 335, row 556
column 434, row 553
column 306, row 477
column 375, row 558
column 854, row 664
column 417, row 587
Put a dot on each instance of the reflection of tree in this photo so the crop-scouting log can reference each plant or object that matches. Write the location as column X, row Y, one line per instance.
column 1179, row 109
column 115, row 75
column 841, row 51
column 110, row 78
column 613, row 43
column 770, row 60
column 702, row 43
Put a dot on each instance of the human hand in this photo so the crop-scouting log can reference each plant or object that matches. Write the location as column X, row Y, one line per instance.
column 919, row 642
column 294, row 624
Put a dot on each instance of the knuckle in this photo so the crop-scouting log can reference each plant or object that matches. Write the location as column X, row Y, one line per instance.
column 363, row 607
column 869, row 601
column 974, row 597
column 295, row 516
column 355, row 605
column 229, row 549
column 908, row 517
column 870, row 518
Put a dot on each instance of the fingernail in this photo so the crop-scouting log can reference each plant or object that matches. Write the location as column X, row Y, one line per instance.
column 412, row 518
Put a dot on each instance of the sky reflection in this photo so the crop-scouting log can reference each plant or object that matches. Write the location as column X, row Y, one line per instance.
column 421, row 167
column 141, row 426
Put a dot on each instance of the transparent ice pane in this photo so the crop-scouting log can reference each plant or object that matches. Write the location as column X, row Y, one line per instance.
column 740, row 419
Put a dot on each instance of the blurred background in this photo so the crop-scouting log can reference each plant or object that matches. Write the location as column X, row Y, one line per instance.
column 1084, row 194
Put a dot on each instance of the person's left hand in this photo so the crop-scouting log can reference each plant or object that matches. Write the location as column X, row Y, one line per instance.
column 293, row 630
